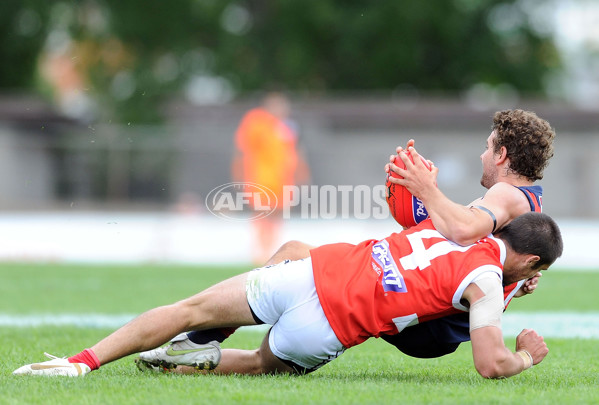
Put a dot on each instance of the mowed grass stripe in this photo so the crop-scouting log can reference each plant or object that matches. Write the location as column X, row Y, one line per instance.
column 54, row 288
column 548, row 324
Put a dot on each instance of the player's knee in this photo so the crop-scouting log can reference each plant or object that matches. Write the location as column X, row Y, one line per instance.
column 291, row 250
column 292, row 245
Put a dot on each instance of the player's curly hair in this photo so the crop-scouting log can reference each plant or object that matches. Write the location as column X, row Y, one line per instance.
column 528, row 140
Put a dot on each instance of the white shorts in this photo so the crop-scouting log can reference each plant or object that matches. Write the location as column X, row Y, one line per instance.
column 284, row 295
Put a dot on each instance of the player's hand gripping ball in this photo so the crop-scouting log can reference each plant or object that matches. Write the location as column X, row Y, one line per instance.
column 406, row 209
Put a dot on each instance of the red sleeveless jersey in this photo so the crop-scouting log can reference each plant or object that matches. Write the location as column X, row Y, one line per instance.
column 380, row 287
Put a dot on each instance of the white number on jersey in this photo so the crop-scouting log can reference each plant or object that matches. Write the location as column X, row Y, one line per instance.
column 421, row 257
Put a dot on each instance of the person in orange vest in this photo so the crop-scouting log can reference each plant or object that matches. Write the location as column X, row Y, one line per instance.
column 267, row 155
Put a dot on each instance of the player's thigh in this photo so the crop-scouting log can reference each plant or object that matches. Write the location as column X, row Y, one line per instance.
column 223, row 304
column 285, row 296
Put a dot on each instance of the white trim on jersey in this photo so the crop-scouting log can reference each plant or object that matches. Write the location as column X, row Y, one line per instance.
column 513, row 292
column 457, row 296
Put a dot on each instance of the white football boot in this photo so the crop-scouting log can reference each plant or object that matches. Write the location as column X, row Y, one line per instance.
column 144, row 366
column 55, row 367
column 181, row 352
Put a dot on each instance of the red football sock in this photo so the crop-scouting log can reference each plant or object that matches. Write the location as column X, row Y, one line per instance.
column 88, row 357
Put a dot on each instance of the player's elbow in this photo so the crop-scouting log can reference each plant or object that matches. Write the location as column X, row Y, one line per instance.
column 492, row 365
column 489, row 371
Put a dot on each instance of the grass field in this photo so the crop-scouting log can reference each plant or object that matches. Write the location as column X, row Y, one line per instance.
column 371, row 373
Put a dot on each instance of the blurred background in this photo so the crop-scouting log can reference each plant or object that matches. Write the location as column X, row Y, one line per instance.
column 118, row 118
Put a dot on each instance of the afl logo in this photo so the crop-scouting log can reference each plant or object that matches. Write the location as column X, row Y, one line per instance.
column 230, row 201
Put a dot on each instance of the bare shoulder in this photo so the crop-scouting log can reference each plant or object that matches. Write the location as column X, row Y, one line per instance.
column 505, row 201
column 507, row 194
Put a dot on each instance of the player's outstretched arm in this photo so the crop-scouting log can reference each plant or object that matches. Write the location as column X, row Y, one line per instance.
column 492, row 359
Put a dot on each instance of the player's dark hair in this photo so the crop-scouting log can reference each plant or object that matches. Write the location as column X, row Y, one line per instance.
column 528, row 140
column 534, row 233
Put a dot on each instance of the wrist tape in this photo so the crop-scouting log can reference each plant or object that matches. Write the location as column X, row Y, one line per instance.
column 526, row 357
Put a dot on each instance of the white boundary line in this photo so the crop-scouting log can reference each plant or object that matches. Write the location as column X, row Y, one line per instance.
column 133, row 238
column 547, row 324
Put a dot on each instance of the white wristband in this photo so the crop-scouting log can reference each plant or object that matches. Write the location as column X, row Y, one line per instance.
column 526, row 357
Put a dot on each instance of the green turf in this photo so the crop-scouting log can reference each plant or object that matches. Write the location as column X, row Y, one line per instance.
column 132, row 289
column 371, row 373
column 105, row 289
column 562, row 291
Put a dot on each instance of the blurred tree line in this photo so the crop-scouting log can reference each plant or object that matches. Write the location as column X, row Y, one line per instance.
column 118, row 60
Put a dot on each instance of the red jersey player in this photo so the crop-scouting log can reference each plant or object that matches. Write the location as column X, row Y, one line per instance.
column 516, row 153
column 343, row 295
